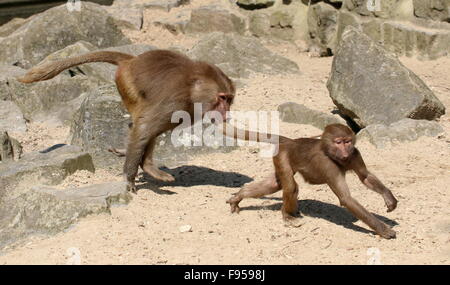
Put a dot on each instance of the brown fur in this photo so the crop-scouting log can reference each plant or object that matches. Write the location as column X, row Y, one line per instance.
column 320, row 161
column 153, row 85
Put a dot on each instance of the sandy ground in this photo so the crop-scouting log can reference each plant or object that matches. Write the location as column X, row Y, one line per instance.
column 147, row 230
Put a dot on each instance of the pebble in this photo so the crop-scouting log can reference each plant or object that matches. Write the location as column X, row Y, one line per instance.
column 185, row 229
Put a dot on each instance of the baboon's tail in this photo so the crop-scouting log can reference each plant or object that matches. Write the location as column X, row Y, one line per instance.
column 51, row 69
column 233, row 132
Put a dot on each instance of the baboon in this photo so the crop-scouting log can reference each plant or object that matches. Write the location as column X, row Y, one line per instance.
column 319, row 161
column 152, row 85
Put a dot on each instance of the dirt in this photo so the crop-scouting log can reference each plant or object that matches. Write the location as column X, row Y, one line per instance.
column 147, row 231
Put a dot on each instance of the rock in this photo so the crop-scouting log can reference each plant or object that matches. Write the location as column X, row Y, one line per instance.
column 174, row 23
column 185, row 229
column 297, row 113
column 102, row 122
column 214, row 18
column 401, row 131
column 27, row 46
column 12, row 26
column 285, row 22
column 55, row 99
column 254, row 4
column 11, row 118
column 238, row 56
column 6, row 74
column 378, row 8
column 322, row 23
column 166, row 5
column 10, row 148
column 45, row 210
column 371, row 86
column 49, row 167
column 426, row 39
column 437, row 10
column 126, row 17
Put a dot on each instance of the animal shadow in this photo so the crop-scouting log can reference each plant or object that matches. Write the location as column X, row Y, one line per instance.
column 332, row 213
column 188, row 176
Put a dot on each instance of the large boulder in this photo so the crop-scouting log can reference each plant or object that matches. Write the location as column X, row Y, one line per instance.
column 11, row 26
column 402, row 131
column 300, row 114
column 239, row 56
column 382, row 9
column 11, row 118
column 10, row 148
column 371, row 86
column 7, row 73
column 425, row 39
column 55, row 99
column 102, row 122
column 47, row 167
column 322, row 24
column 27, row 46
column 255, row 4
column 214, row 18
column 46, row 210
column 127, row 17
column 285, row 22
column 438, row 10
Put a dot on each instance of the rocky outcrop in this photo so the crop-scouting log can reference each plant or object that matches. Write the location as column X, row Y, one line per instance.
column 239, row 56
column 401, row 131
column 297, row 113
column 11, row 118
column 10, row 148
column 27, row 46
column 214, row 18
column 371, row 86
column 46, row 210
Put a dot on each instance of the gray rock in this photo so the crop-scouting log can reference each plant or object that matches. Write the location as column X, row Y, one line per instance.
column 401, row 131
column 255, row 4
column 426, row 39
column 382, row 9
column 53, row 99
column 10, row 148
column 45, row 210
column 322, row 23
column 11, row 118
column 126, row 17
column 166, row 5
column 371, row 86
column 12, row 26
column 297, row 113
column 437, row 10
column 214, row 18
column 176, row 24
column 6, row 74
column 27, row 45
column 102, row 122
column 49, row 167
column 285, row 22
column 238, row 56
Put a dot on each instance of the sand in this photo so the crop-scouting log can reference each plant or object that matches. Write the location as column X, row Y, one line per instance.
column 147, row 231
